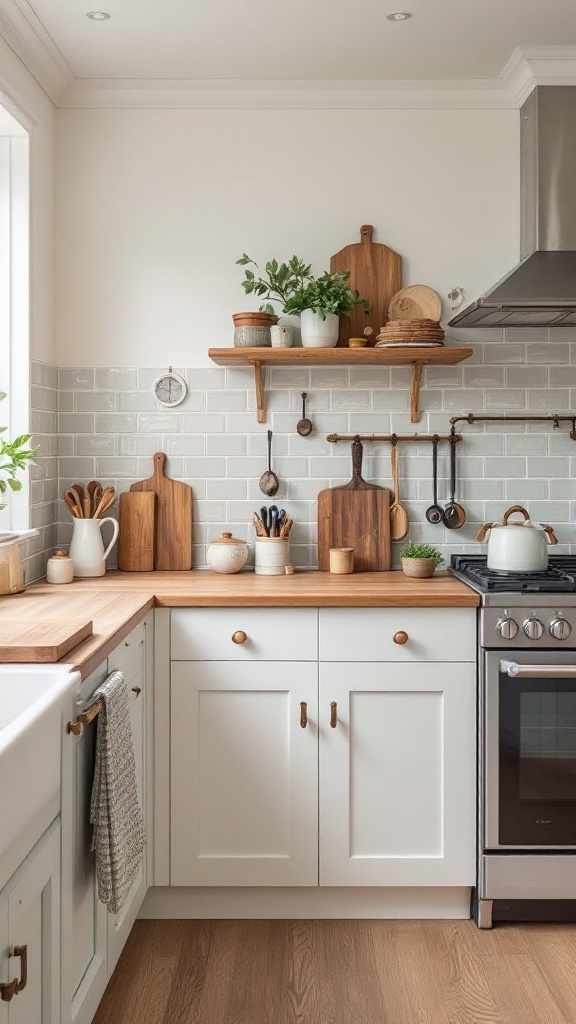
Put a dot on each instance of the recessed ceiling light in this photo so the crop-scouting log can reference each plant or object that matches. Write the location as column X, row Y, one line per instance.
column 399, row 16
column 98, row 15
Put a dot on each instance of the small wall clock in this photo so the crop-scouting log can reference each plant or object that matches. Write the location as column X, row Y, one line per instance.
column 170, row 389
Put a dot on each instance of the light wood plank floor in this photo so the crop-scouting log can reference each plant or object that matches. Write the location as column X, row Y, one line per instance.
column 343, row 972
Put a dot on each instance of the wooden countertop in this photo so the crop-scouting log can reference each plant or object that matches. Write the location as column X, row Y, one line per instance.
column 117, row 601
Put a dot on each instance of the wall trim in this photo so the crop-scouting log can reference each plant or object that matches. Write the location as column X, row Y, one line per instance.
column 530, row 66
column 25, row 35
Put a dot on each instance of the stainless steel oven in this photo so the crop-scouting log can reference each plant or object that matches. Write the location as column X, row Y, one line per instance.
column 526, row 849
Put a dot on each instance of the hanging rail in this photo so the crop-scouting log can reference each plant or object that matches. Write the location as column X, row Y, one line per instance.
column 86, row 717
column 554, row 418
column 395, row 438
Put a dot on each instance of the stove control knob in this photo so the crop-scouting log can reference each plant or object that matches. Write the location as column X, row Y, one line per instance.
column 506, row 628
column 533, row 628
column 560, row 629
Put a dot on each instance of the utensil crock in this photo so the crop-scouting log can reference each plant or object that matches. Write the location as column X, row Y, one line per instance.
column 87, row 547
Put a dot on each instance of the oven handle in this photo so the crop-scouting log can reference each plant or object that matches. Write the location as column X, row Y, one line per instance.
column 516, row 671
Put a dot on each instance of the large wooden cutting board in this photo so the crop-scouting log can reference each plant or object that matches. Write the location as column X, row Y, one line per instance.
column 375, row 272
column 45, row 640
column 173, row 524
column 355, row 515
column 136, row 534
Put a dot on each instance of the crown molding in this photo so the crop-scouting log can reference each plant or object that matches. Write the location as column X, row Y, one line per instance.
column 26, row 36
column 530, row 66
column 286, row 95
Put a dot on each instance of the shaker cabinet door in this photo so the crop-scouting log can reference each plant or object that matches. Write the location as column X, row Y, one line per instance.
column 244, row 770
column 397, row 798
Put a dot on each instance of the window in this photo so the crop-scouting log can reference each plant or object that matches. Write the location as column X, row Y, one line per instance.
column 14, row 301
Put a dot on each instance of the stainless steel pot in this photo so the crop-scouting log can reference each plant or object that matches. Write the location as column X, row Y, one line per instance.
column 517, row 546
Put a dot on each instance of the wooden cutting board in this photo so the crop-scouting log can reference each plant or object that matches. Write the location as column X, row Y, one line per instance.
column 375, row 272
column 136, row 535
column 355, row 515
column 173, row 523
column 45, row 640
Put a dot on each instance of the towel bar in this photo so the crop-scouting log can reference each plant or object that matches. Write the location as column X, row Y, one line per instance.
column 86, row 717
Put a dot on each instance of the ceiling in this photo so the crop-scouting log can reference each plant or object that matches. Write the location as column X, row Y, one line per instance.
column 311, row 40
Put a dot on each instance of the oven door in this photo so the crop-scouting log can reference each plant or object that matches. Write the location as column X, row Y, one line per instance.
column 528, row 763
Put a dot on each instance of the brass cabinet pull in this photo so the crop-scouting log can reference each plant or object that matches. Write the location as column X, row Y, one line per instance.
column 137, row 690
column 239, row 637
column 400, row 637
column 333, row 714
column 303, row 714
column 11, row 988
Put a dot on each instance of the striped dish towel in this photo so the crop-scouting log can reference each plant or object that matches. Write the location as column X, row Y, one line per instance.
column 118, row 837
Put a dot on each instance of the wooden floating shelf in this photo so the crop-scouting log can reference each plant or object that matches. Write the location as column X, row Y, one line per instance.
column 417, row 358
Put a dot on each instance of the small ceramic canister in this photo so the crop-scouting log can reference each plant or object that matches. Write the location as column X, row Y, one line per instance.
column 227, row 554
column 59, row 568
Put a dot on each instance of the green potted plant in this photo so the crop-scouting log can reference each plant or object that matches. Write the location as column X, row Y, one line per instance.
column 420, row 560
column 279, row 282
column 15, row 456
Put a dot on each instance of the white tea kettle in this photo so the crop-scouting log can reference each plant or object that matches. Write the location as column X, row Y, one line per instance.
column 517, row 547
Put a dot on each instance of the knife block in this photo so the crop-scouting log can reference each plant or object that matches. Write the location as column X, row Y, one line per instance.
column 11, row 570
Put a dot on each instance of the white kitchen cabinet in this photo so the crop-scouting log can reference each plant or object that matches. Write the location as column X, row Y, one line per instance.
column 244, row 805
column 91, row 937
column 396, row 790
column 397, row 804
column 397, row 770
column 30, row 936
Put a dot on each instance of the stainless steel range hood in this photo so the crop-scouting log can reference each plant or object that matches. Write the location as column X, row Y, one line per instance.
column 541, row 290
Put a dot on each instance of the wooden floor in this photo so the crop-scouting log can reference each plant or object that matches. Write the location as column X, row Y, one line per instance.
column 343, row 972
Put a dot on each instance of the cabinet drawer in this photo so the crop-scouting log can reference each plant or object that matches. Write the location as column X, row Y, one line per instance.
column 367, row 634
column 128, row 657
column 272, row 634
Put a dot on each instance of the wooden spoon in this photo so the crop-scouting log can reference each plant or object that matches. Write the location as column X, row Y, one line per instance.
column 94, row 489
column 70, row 500
column 108, row 495
column 398, row 514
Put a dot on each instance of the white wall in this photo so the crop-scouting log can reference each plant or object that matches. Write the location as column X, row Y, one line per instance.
column 24, row 98
column 155, row 206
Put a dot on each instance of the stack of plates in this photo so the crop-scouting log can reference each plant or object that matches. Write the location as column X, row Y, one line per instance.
column 420, row 332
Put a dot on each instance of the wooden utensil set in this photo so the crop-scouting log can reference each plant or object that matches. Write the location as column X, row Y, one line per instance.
column 272, row 523
column 88, row 501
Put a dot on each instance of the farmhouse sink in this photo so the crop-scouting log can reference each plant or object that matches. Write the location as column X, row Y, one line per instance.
column 32, row 705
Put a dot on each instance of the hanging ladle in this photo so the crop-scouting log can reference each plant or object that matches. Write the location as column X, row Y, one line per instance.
column 269, row 482
column 304, row 426
column 454, row 515
column 434, row 513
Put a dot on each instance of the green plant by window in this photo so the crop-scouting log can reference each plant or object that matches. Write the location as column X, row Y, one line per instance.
column 15, row 457
column 422, row 551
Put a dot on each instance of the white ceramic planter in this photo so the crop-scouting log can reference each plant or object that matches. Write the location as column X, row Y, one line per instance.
column 316, row 332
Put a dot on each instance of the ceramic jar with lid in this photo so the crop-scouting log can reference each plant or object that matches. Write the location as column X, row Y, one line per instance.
column 227, row 554
column 59, row 568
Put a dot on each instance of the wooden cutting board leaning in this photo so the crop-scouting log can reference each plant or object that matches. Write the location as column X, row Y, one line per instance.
column 355, row 515
column 173, row 519
column 375, row 272
column 136, row 536
column 45, row 640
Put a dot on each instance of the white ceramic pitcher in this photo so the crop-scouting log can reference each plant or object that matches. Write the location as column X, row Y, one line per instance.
column 87, row 548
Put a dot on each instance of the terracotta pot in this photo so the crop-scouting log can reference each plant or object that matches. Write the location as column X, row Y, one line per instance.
column 422, row 568
column 254, row 319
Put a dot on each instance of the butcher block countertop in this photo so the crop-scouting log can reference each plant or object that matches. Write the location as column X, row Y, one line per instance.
column 117, row 601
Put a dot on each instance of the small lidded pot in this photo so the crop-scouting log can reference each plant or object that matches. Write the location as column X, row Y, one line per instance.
column 227, row 554
column 59, row 568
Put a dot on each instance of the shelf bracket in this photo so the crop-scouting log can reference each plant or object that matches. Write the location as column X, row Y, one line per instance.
column 259, row 385
column 415, row 392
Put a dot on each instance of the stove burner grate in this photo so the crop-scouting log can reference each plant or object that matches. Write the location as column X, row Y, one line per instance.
column 558, row 578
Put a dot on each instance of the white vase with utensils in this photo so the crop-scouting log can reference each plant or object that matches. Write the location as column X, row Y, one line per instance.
column 87, row 548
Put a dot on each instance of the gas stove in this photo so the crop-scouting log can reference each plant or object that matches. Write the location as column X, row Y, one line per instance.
column 528, row 609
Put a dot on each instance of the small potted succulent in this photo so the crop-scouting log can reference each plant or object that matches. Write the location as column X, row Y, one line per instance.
column 420, row 560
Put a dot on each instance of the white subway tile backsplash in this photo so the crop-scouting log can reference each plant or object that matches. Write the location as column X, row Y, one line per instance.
column 110, row 425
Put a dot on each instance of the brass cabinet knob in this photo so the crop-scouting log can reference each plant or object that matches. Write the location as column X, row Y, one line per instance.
column 400, row 637
column 239, row 637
